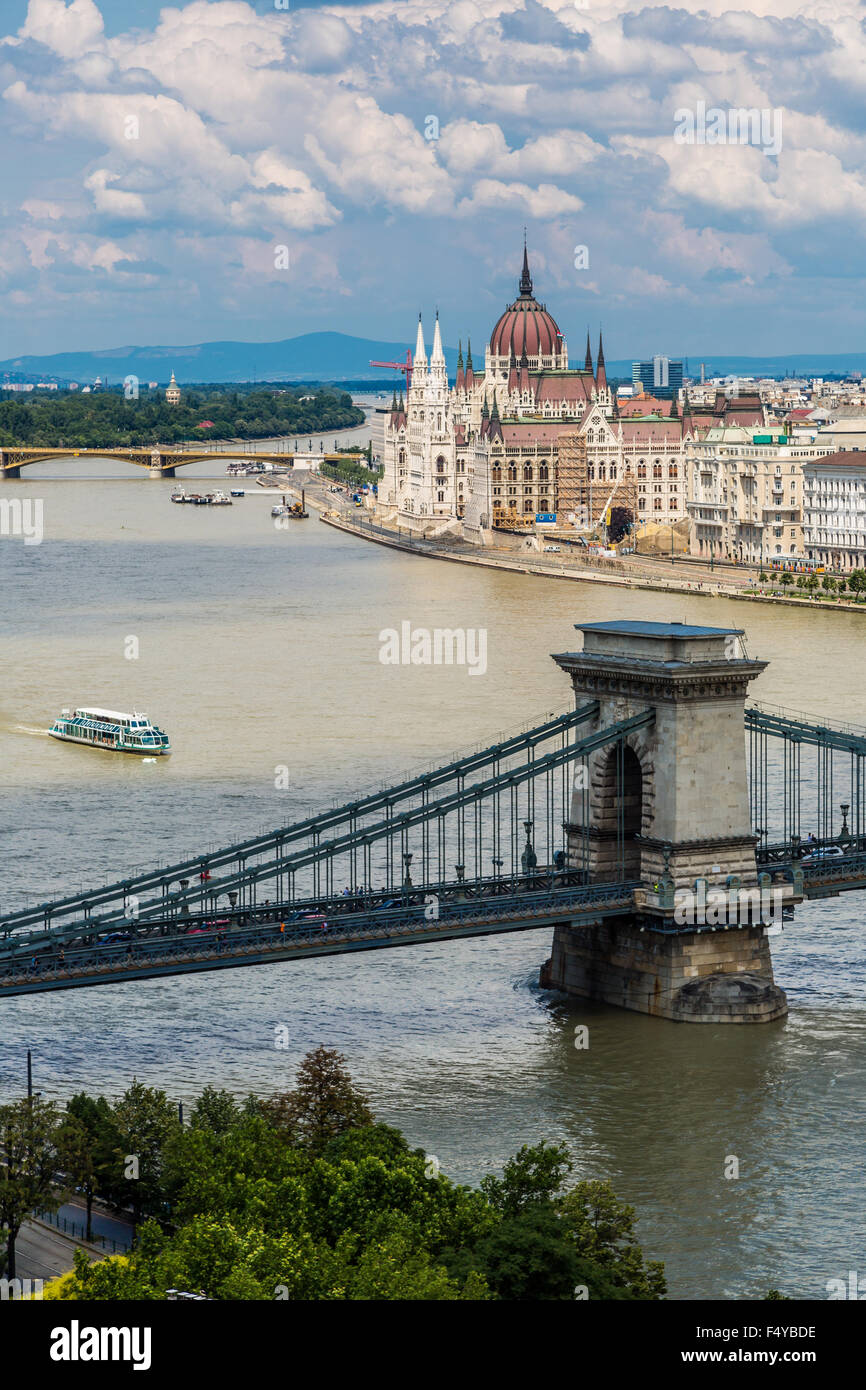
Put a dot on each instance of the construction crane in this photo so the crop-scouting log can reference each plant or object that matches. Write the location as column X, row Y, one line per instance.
column 399, row 367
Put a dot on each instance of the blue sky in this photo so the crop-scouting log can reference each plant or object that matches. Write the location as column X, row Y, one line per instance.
column 219, row 169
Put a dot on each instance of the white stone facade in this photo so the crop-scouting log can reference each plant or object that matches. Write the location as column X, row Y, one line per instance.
column 834, row 511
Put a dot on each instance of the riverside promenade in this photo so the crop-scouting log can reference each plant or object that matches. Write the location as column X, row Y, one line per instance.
column 682, row 575
column 639, row 572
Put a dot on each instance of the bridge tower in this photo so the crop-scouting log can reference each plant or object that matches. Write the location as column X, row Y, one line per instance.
column 668, row 809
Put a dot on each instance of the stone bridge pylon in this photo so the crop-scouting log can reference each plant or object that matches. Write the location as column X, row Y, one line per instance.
column 668, row 809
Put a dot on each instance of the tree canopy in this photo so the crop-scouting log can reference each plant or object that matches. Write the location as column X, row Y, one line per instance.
column 105, row 419
column 304, row 1196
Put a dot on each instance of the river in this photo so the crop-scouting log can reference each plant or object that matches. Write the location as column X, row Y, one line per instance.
column 259, row 647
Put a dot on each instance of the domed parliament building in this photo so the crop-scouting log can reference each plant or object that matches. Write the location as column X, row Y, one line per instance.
column 525, row 434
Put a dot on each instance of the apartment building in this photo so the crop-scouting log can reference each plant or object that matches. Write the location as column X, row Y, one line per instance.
column 746, row 494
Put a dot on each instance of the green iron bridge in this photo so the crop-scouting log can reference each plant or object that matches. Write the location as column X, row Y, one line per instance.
column 499, row 840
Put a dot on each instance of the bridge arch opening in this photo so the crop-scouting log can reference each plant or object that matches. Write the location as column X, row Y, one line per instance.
column 621, row 816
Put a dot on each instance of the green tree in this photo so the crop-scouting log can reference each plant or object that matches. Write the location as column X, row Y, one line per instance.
column 786, row 579
column 28, row 1130
column 324, row 1103
column 535, row 1175
column 603, row 1228
column 75, row 1158
column 215, row 1111
column 146, row 1120
column 530, row 1255
column 90, row 1163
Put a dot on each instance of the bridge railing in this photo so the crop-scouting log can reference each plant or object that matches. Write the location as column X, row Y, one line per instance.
column 500, row 906
column 807, row 778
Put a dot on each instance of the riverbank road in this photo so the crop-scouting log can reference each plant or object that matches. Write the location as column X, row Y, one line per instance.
column 46, row 1247
column 43, row 1252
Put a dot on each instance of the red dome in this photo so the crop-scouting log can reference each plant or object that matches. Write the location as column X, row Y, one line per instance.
column 525, row 326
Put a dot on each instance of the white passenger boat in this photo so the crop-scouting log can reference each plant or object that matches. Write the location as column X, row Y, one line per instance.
column 105, row 728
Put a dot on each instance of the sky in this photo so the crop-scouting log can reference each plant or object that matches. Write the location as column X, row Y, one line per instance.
column 228, row 170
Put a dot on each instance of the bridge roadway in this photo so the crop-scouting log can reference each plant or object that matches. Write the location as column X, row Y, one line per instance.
column 158, row 459
column 298, row 931
column 74, row 956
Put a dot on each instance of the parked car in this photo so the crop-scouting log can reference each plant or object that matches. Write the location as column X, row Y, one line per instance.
column 553, row 548
column 824, row 852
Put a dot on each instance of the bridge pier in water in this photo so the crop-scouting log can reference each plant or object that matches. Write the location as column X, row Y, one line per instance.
column 667, row 807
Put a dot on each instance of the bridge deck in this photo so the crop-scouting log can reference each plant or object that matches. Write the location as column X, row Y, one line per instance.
column 228, row 946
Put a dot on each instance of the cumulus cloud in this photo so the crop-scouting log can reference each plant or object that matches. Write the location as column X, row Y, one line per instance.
column 378, row 137
column 70, row 31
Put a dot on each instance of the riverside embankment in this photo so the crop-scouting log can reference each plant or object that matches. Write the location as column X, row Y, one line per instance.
column 459, row 552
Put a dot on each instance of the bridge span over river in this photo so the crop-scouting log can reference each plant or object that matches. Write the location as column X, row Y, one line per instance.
column 159, row 460
column 663, row 828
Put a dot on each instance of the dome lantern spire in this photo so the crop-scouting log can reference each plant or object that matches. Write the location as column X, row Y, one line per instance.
column 526, row 278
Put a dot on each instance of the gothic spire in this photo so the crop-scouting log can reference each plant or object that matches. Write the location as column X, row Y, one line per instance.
column 588, row 361
column 526, row 278
column 420, row 353
column 437, row 357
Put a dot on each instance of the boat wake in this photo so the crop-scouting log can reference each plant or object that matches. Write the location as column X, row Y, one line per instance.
column 29, row 729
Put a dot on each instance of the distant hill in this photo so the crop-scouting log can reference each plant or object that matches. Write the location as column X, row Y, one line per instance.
column 340, row 357
column 309, row 357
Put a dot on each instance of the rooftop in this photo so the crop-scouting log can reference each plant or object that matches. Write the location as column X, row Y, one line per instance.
column 626, row 627
column 844, row 458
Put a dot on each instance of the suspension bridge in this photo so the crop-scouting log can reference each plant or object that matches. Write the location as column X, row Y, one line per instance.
column 661, row 789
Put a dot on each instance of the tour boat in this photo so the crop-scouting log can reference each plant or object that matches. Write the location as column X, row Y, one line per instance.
column 105, row 728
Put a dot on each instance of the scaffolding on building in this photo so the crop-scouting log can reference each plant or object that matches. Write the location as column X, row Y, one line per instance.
column 584, row 498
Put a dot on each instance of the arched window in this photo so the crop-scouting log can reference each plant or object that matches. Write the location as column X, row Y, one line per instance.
column 512, row 472
column 542, row 473
column 527, row 472
column 440, row 464
column 497, row 473
column 657, row 470
column 641, row 469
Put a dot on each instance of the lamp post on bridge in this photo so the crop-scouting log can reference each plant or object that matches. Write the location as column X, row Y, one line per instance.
column 528, row 859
